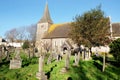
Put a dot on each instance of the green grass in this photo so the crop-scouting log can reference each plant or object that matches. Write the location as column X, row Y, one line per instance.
column 26, row 73
column 87, row 70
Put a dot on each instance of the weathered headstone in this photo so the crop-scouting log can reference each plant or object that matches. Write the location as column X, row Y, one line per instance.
column 8, row 56
column 28, row 53
column 89, row 54
column 41, row 75
column 77, row 59
column 67, row 59
column 86, row 54
column 78, row 56
column 16, row 62
column 103, row 68
column 49, row 59
column 52, row 56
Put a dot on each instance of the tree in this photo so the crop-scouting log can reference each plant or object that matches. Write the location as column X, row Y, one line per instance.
column 21, row 34
column 31, row 30
column 91, row 28
column 11, row 35
column 26, row 45
column 115, row 49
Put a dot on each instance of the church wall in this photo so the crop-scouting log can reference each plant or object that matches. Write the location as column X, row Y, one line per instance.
column 57, row 43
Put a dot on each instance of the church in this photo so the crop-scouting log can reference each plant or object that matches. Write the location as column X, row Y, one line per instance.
column 52, row 36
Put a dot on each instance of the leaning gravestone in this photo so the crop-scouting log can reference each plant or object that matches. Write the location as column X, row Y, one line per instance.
column 16, row 62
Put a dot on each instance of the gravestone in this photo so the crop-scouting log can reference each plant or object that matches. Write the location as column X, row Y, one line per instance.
column 77, row 59
column 67, row 59
column 16, row 62
column 41, row 74
column 67, row 62
column 52, row 56
column 86, row 54
column 8, row 56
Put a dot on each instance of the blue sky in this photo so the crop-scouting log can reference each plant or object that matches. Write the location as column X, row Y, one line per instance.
column 19, row 13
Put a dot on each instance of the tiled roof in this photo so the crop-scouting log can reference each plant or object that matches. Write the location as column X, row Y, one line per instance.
column 58, row 31
column 62, row 30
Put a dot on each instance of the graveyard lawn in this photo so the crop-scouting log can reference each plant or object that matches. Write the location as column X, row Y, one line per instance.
column 87, row 70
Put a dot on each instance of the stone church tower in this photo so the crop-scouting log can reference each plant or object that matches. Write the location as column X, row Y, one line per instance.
column 42, row 27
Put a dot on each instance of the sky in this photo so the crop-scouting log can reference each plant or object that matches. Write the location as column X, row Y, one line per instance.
column 19, row 13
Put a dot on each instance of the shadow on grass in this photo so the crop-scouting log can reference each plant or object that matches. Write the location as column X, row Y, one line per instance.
column 49, row 72
column 69, row 78
column 79, row 73
column 97, row 58
column 99, row 66
column 113, row 62
column 4, row 63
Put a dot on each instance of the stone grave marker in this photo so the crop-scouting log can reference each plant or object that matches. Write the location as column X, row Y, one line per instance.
column 16, row 62
column 41, row 74
column 52, row 56
column 77, row 59
column 8, row 56
column 67, row 59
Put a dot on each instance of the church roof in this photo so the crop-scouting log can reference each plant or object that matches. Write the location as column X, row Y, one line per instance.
column 116, row 29
column 46, row 16
column 62, row 30
column 58, row 31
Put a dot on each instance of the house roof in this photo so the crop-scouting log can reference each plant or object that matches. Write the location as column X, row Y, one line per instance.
column 46, row 16
column 116, row 29
column 58, row 31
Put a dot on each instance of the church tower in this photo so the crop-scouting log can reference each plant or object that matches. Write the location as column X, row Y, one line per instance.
column 42, row 26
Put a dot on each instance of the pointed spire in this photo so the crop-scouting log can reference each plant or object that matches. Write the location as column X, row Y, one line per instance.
column 46, row 16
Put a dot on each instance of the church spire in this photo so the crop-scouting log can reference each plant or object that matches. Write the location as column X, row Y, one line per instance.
column 46, row 16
